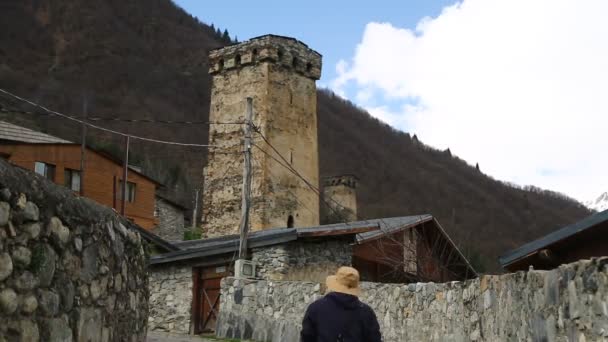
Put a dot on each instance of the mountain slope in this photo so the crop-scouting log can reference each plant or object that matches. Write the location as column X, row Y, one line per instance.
column 599, row 204
column 148, row 59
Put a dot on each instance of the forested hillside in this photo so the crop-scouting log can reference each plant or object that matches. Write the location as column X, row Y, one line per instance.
column 147, row 59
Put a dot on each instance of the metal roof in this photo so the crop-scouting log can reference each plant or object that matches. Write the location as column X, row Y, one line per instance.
column 393, row 225
column 225, row 244
column 363, row 231
column 12, row 132
column 230, row 243
column 556, row 236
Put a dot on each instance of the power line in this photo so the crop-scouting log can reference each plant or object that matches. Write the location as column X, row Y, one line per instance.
column 297, row 174
column 99, row 127
column 117, row 119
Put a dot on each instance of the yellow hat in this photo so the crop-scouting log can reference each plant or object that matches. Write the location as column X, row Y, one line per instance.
column 346, row 280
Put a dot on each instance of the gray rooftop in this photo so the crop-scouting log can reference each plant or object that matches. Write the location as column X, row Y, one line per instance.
column 10, row 132
column 564, row 233
column 361, row 231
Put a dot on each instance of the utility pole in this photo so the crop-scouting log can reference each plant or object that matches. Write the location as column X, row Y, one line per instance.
column 124, row 177
column 194, row 212
column 246, row 182
column 83, row 143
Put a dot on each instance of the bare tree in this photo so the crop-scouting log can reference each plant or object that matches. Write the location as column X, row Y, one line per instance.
column 419, row 254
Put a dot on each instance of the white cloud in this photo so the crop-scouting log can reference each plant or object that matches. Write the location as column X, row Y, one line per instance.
column 517, row 85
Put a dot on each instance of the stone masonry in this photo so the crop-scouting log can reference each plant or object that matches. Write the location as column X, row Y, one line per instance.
column 569, row 303
column 170, row 220
column 340, row 193
column 170, row 299
column 312, row 261
column 279, row 74
column 70, row 269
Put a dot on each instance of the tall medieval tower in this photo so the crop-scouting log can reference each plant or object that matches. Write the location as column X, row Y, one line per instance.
column 279, row 74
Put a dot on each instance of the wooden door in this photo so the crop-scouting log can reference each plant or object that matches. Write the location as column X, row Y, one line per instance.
column 208, row 297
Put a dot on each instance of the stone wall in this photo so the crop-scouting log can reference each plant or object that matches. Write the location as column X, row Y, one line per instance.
column 566, row 304
column 70, row 269
column 170, row 220
column 170, row 298
column 312, row 261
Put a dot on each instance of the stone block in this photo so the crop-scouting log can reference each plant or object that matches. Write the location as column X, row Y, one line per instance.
column 59, row 233
column 57, row 330
column 8, row 301
column 22, row 256
column 89, row 268
column 89, row 324
column 26, row 282
column 30, row 212
column 29, row 304
column 32, row 230
column 6, row 266
column 5, row 211
column 48, row 302
column 43, row 264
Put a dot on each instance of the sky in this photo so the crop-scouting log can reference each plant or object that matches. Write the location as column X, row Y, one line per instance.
column 514, row 85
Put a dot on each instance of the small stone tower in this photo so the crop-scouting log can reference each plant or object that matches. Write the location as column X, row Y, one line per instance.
column 340, row 193
column 279, row 74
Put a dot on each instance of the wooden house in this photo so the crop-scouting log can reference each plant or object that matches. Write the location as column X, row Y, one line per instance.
column 59, row 160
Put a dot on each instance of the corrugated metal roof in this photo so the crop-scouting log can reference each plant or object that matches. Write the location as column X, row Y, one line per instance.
column 392, row 225
column 12, row 132
column 226, row 244
column 364, row 231
column 556, row 236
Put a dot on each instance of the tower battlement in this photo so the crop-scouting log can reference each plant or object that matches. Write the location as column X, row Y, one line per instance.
column 287, row 52
column 346, row 180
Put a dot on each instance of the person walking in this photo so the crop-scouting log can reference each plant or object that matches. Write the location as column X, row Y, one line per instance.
column 340, row 316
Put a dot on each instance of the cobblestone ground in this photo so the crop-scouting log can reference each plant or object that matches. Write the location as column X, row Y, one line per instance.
column 154, row 336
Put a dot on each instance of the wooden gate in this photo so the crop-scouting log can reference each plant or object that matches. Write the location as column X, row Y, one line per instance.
column 207, row 297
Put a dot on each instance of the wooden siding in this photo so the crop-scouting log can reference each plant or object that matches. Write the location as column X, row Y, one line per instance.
column 99, row 175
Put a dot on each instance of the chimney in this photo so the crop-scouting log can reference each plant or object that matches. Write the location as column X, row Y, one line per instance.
column 340, row 195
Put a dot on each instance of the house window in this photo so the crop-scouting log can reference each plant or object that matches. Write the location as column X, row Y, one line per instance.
column 46, row 170
column 72, row 179
column 130, row 191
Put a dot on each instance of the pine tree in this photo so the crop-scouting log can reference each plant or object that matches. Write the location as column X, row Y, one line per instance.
column 226, row 36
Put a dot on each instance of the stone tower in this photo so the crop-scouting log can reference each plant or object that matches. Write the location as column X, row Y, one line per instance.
column 279, row 74
column 340, row 193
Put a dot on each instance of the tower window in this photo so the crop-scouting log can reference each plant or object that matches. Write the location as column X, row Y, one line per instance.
column 221, row 64
column 237, row 60
column 290, row 221
column 280, row 55
column 294, row 62
column 308, row 67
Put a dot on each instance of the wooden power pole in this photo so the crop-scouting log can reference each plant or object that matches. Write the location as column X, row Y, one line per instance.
column 83, row 144
column 124, row 177
column 244, row 229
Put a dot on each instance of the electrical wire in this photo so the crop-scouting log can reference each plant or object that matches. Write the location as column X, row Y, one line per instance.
column 99, row 127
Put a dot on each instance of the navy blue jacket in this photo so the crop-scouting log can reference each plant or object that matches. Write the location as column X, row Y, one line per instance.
column 339, row 317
